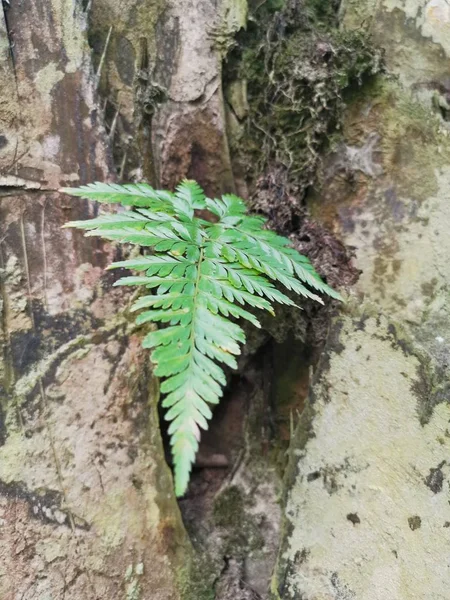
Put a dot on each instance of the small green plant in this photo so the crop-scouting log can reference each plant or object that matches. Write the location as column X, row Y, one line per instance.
column 202, row 272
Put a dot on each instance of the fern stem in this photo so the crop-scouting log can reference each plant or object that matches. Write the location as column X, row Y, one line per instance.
column 181, row 476
column 197, row 283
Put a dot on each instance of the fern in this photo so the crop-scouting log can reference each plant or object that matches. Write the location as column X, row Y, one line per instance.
column 200, row 275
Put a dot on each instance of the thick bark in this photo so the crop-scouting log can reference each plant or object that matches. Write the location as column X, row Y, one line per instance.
column 367, row 512
column 189, row 130
column 161, row 74
column 86, row 503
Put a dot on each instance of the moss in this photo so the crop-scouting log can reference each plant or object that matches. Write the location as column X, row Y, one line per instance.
column 195, row 580
column 241, row 532
column 229, row 507
column 356, row 13
column 274, row 5
column 297, row 65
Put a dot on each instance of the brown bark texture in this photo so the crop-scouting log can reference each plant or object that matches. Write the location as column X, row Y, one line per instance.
column 86, row 503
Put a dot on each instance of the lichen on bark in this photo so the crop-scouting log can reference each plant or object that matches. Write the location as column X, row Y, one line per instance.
column 366, row 511
column 83, row 481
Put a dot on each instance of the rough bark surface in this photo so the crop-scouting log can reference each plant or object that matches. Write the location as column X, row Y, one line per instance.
column 161, row 76
column 86, row 507
column 367, row 513
column 86, row 503
column 189, row 130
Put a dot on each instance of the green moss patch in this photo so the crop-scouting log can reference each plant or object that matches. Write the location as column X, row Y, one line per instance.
column 297, row 65
column 241, row 529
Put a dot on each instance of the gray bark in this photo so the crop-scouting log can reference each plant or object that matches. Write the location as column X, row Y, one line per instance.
column 367, row 512
column 86, row 502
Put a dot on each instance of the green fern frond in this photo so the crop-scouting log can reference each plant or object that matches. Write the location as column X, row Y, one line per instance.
column 199, row 277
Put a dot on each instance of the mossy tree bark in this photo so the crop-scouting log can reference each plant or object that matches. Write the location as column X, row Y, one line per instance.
column 86, row 503
column 367, row 513
column 89, row 91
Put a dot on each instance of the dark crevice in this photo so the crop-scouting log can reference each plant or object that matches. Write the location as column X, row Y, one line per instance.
column 6, row 7
column 242, row 457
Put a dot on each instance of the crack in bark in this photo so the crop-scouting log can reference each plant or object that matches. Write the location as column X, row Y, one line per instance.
column 5, row 7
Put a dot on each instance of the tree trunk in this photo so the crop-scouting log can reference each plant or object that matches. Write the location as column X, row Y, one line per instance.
column 156, row 90
column 87, row 508
column 367, row 512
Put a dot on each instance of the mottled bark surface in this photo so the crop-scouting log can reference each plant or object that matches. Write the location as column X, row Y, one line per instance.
column 161, row 76
column 189, row 131
column 367, row 512
column 86, row 504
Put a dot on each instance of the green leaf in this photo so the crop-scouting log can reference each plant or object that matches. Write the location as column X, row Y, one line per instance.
column 199, row 276
column 118, row 221
column 192, row 194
